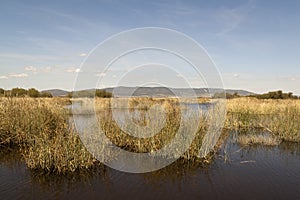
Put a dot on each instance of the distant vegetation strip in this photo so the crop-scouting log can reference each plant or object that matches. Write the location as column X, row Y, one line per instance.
column 20, row 92
column 276, row 95
column 34, row 93
column 270, row 95
column 143, row 91
column 90, row 94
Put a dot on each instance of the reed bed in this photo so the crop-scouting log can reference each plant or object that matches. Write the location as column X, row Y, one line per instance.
column 257, row 138
column 141, row 107
column 279, row 117
column 40, row 129
column 47, row 141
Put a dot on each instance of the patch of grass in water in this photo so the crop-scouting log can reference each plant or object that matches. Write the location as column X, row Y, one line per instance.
column 40, row 129
column 266, row 139
column 279, row 117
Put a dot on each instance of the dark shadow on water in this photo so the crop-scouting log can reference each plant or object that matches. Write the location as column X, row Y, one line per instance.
column 250, row 172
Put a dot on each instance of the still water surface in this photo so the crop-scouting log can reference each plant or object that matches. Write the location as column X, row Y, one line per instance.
column 255, row 172
column 251, row 172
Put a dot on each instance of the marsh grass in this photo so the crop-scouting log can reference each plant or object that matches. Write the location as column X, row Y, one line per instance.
column 279, row 117
column 47, row 141
column 40, row 129
column 266, row 139
column 140, row 145
column 172, row 125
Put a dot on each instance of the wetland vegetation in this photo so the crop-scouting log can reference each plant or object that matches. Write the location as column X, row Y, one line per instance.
column 41, row 130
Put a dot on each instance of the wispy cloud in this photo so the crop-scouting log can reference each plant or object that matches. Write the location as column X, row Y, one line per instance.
column 82, row 54
column 72, row 70
column 3, row 77
column 236, row 75
column 46, row 69
column 27, row 56
column 290, row 78
column 75, row 23
column 231, row 18
column 36, row 70
column 20, row 75
column 101, row 74
column 31, row 68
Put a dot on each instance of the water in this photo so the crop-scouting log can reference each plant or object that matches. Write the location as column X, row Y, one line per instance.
column 122, row 116
column 255, row 172
column 251, row 172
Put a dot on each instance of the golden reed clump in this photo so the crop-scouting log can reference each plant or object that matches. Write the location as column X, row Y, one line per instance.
column 279, row 117
column 47, row 140
column 41, row 130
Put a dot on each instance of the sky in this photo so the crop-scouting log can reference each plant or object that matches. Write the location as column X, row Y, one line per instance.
column 254, row 44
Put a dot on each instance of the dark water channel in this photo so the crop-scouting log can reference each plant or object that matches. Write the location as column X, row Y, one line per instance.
column 254, row 172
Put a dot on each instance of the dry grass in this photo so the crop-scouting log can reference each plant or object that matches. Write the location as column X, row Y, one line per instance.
column 280, row 117
column 41, row 129
column 172, row 124
column 253, row 139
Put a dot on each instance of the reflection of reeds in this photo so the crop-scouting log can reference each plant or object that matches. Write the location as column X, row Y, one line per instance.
column 85, row 177
column 9, row 157
column 176, row 171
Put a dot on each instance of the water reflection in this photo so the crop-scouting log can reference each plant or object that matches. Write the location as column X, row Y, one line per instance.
column 274, row 174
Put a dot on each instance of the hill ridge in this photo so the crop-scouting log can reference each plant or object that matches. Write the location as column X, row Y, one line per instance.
column 158, row 91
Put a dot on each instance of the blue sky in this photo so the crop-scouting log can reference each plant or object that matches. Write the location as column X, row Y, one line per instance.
column 255, row 44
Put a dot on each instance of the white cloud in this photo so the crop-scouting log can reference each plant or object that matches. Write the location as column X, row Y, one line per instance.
column 36, row 70
column 21, row 75
column 82, row 54
column 3, row 77
column 73, row 70
column 101, row 74
column 46, row 69
column 236, row 75
column 289, row 78
column 31, row 68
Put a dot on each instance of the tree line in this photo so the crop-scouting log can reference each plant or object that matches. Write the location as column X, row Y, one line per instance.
column 21, row 92
column 34, row 93
column 270, row 95
column 276, row 95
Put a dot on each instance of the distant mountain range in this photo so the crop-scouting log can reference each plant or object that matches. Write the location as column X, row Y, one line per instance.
column 159, row 91
column 163, row 91
column 57, row 92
